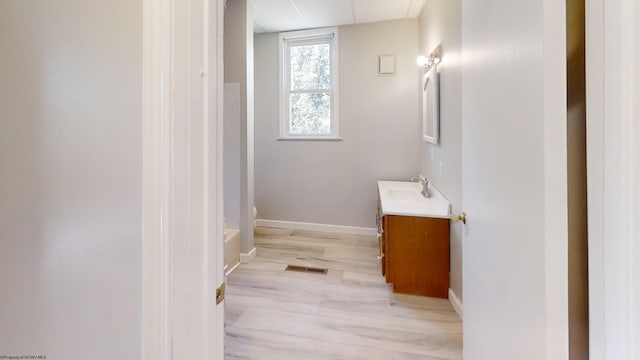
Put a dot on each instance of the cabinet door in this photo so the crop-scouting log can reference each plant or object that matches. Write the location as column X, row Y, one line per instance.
column 417, row 255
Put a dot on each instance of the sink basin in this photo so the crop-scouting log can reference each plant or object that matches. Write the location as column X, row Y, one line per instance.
column 403, row 196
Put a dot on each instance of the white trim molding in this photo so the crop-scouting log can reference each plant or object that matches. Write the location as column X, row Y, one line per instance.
column 246, row 258
column 335, row 229
column 456, row 303
column 182, row 238
column 228, row 272
column 613, row 163
column 156, row 120
column 556, row 230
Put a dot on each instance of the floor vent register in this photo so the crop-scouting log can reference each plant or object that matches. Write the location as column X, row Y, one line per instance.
column 306, row 269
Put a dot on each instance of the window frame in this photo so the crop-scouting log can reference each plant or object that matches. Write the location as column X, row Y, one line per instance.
column 307, row 37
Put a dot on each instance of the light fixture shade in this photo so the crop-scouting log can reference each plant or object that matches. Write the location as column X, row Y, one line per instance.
column 422, row 60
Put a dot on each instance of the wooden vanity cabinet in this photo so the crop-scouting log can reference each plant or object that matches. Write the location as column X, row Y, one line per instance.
column 415, row 254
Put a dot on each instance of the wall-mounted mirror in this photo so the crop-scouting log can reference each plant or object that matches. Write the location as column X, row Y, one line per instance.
column 430, row 106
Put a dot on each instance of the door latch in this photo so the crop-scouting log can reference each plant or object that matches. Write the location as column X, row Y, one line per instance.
column 220, row 294
column 462, row 217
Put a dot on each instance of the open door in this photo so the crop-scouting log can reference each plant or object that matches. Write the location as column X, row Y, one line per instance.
column 514, row 180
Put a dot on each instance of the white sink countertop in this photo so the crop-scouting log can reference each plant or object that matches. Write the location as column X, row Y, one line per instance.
column 405, row 198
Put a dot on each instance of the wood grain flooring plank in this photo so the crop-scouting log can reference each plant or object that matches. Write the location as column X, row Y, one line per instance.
column 349, row 313
column 260, row 345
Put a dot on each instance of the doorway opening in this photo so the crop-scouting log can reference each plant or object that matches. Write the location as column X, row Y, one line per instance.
column 577, row 182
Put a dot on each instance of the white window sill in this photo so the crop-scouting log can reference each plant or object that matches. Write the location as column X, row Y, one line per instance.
column 309, row 138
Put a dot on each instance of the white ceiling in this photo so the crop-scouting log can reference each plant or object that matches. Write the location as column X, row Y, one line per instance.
column 285, row 15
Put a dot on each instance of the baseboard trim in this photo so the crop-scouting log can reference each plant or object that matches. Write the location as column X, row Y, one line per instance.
column 335, row 229
column 246, row 258
column 228, row 272
column 455, row 302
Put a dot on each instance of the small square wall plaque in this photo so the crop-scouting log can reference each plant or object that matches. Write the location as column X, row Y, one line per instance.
column 386, row 65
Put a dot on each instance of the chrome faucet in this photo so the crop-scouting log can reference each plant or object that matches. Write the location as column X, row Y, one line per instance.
column 426, row 189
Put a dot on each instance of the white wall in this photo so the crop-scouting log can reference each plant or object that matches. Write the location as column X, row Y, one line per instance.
column 238, row 68
column 334, row 182
column 441, row 23
column 70, row 178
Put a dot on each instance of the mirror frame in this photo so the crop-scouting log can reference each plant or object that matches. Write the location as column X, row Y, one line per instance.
column 431, row 76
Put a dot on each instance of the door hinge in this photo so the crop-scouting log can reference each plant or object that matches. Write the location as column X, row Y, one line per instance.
column 220, row 294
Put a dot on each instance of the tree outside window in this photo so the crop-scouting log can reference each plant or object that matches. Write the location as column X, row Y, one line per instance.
column 308, row 84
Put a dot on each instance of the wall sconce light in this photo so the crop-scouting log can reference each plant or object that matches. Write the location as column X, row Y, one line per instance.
column 431, row 60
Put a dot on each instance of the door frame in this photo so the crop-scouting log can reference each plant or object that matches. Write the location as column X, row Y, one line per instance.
column 613, row 176
column 182, row 232
column 555, row 180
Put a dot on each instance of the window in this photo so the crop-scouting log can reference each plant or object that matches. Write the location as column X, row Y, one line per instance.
column 309, row 84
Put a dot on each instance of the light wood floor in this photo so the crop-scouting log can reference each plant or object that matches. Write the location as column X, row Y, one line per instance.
column 350, row 313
